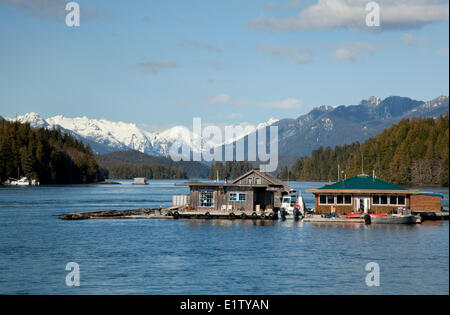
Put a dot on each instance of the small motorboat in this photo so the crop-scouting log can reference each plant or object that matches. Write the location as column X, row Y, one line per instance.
column 293, row 206
column 394, row 219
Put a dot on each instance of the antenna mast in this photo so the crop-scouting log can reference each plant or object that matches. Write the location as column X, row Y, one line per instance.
column 362, row 163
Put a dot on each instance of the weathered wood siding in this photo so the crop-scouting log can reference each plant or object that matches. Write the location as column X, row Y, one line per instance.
column 425, row 203
column 222, row 197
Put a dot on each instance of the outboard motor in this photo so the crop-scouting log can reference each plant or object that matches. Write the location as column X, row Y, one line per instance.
column 367, row 219
column 283, row 213
column 296, row 214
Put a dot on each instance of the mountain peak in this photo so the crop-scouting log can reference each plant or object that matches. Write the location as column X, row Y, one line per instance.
column 35, row 120
column 371, row 101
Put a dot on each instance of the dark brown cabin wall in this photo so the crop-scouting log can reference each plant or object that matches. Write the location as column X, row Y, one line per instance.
column 426, row 203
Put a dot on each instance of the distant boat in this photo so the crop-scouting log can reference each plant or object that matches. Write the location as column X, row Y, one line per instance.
column 24, row 181
column 140, row 181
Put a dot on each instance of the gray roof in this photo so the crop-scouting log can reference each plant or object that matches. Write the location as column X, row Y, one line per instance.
column 269, row 177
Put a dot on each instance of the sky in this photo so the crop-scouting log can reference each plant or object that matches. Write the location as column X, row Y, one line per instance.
column 161, row 63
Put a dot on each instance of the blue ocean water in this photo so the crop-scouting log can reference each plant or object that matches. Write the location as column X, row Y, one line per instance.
column 204, row 257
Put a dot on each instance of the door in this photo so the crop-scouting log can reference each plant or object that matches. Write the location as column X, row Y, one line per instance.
column 361, row 205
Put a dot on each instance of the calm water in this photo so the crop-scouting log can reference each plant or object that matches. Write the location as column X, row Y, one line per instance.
column 203, row 257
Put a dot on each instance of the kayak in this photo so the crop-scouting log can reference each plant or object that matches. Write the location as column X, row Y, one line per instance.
column 359, row 215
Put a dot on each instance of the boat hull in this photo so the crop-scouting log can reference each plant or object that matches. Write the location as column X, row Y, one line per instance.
column 405, row 219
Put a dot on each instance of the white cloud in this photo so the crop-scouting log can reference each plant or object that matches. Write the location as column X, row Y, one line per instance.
column 297, row 54
column 409, row 40
column 288, row 103
column 225, row 99
column 155, row 67
column 230, row 116
column 353, row 51
column 351, row 14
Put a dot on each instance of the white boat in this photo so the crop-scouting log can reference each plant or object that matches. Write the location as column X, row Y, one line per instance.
column 292, row 206
column 24, row 181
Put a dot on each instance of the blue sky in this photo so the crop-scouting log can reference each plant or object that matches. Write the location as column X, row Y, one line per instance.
column 160, row 63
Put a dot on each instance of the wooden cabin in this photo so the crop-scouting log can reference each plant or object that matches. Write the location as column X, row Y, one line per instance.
column 362, row 194
column 426, row 202
column 252, row 191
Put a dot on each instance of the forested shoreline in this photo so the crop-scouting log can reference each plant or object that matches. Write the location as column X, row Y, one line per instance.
column 412, row 152
column 47, row 155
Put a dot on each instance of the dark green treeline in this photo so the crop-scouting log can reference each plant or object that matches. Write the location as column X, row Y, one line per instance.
column 412, row 152
column 49, row 156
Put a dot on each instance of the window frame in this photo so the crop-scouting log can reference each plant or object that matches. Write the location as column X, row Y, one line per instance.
column 396, row 200
column 200, row 204
column 238, row 196
column 373, row 200
column 351, row 200
column 404, row 200
column 334, row 200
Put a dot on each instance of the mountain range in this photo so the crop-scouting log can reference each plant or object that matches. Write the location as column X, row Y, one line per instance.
column 322, row 126
column 337, row 125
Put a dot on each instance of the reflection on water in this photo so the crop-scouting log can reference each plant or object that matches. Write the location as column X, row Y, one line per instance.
column 204, row 256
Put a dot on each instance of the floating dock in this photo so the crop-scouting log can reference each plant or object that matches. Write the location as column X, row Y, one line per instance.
column 178, row 213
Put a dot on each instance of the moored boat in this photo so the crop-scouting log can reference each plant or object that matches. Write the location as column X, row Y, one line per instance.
column 394, row 219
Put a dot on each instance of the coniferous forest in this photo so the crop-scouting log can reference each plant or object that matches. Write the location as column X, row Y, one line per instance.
column 149, row 171
column 49, row 156
column 412, row 152
column 229, row 170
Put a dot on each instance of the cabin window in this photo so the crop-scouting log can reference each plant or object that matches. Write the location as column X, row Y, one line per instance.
column 401, row 200
column 330, row 199
column 257, row 181
column 323, row 199
column 376, row 200
column 206, row 199
column 393, row 200
column 383, row 200
column 326, row 199
column 250, row 181
column 344, row 199
column 348, row 199
column 238, row 197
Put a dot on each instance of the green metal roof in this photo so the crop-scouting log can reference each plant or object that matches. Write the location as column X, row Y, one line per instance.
column 363, row 182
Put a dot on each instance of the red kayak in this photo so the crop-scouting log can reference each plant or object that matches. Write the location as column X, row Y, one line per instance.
column 359, row 215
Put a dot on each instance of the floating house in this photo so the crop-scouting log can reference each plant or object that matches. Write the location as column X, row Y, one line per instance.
column 253, row 191
column 140, row 181
column 364, row 194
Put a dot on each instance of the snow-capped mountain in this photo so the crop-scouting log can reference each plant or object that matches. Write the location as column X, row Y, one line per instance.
column 322, row 126
column 106, row 136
